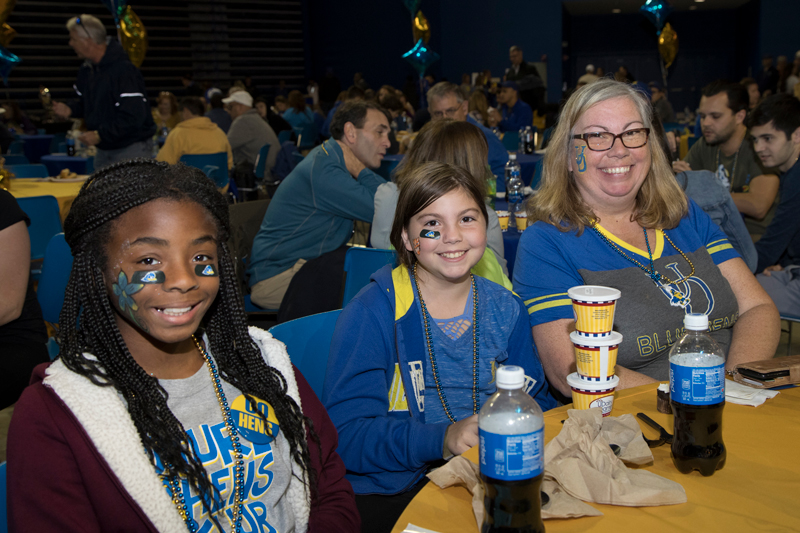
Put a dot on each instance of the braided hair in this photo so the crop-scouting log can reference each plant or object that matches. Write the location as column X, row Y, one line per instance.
column 88, row 324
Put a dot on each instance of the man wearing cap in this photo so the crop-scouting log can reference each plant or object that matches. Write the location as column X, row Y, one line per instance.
column 313, row 210
column 516, row 114
column 249, row 132
column 660, row 103
column 112, row 98
column 589, row 77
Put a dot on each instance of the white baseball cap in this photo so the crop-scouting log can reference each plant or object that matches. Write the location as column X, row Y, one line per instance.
column 240, row 97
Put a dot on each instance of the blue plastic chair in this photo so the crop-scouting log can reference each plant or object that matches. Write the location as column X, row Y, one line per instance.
column 45, row 222
column 308, row 341
column 56, row 268
column 511, row 140
column 16, row 159
column 386, row 168
column 261, row 162
column 285, row 135
column 17, row 147
column 359, row 265
column 215, row 166
column 3, row 513
column 58, row 139
column 307, row 135
column 28, row 171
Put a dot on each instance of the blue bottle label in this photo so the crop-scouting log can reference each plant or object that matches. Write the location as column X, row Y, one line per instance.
column 693, row 385
column 512, row 457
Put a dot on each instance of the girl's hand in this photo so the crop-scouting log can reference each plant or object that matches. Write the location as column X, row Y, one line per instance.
column 462, row 435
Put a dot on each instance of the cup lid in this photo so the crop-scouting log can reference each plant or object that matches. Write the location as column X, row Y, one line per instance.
column 612, row 339
column 575, row 381
column 593, row 293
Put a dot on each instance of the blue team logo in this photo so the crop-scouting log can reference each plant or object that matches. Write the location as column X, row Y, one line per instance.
column 150, row 277
column 580, row 158
column 206, row 270
column 251, row 425
column 680, row 294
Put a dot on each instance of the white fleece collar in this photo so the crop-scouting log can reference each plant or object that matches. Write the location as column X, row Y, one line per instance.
column 105, row 418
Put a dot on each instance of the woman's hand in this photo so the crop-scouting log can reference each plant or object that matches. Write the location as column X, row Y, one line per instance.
column 462, row 435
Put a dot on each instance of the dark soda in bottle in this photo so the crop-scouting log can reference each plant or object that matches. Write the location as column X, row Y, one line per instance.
column 511, row 430
column 697, row 395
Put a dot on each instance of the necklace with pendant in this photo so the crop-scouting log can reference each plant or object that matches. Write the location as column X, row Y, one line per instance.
column 173, row 481
column 659, row 279
column 432, row 356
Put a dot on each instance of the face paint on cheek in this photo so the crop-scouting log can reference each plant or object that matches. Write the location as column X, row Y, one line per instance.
column 209, row 271
column 580, row 159
column 127, row 305
column 430, row 234
column 148, row 276
column 416, row 246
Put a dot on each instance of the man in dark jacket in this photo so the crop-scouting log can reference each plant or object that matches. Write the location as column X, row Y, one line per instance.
column 112, row 98
column 531, row 86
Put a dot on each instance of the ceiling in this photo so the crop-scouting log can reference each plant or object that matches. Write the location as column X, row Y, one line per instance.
column 602, row 7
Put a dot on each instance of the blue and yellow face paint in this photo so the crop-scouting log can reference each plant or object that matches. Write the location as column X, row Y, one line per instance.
column 209, row 271
column 124, row 292
column 430, row 234
column 148, row 276
column 580, row 159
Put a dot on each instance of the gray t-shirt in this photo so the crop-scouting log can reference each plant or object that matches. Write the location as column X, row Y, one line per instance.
column 267, row 461
column 744, row 166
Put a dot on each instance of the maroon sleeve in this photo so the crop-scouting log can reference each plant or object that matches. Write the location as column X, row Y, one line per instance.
column 333, row 510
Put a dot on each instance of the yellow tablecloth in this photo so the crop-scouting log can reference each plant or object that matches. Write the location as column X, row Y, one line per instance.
column 65, row 193
column 757, row 490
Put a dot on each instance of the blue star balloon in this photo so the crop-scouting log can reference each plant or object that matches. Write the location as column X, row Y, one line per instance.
column 656, row 11
column 421, row 57
column 116, row 7
column 412, row 5
column 7, row 62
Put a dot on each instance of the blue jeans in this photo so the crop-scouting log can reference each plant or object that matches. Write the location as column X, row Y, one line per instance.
column 704, row 188
column 105, row 158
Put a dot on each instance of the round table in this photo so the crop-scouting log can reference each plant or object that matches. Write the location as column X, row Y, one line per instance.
column 757, row 490
column 65, row 192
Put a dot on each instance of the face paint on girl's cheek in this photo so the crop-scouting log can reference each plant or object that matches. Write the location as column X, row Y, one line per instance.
column 148, row 276
column 209, row 271
column 126, row 303
column 430, row 234
column 416, row 246
column 580, row 159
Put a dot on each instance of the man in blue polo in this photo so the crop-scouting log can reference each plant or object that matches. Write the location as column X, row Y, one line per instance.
column 516, row 114
column 445, row 100
column 313, row 210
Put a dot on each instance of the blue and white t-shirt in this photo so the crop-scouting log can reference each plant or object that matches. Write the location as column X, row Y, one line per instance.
column 650, row 318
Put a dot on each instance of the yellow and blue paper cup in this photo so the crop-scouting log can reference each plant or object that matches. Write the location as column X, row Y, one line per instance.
column 594, row 307
column 588, row 394
column 596, row 357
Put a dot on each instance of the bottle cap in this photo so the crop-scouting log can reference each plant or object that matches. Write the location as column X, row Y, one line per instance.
column 512, row 156
column 510, row 377
column 695, row 321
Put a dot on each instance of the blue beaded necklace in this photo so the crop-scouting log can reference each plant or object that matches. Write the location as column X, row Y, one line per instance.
column 432, row 356
column 174, row 484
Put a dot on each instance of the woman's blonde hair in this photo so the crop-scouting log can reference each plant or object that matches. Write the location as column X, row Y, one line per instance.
column 457, row 143
column 478, row 102
column 660, row 202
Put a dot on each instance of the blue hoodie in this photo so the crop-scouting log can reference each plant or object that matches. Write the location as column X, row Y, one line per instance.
column 378, row 352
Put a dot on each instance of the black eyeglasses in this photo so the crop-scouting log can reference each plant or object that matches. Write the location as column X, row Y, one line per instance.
column 79, row 23
column 601, row 141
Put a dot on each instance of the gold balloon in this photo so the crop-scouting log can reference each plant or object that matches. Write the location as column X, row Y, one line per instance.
column 6, row 7
column 5, row 175
column 133, row 36
column 668, row 44
column 422, row 30
column 7, row 33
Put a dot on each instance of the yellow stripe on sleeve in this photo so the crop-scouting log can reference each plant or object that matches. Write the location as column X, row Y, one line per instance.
column 547, row 305
column 712, row 243
column 543, row 297
column 719, row 248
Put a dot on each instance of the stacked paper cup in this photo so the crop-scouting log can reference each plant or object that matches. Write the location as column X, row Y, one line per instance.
column 596, row 345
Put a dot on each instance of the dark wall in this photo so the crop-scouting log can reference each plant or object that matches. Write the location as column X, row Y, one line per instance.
column 470, row 35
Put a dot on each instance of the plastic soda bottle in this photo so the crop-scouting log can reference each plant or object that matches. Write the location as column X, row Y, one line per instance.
column 511, row 431
column 70, row 142
column 697, row 395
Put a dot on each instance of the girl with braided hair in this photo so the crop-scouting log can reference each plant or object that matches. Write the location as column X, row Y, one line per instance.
column 163, row 412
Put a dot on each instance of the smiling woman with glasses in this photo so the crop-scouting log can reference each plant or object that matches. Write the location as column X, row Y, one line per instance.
column 609, row 212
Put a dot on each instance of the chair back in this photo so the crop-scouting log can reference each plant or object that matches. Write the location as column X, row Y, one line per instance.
column 16, row 159
column 55, row 275
column 45, row 222
column 3, row 513
column 28, row 171
column 359, row 265
column 307, row 135
column 16, row 147
column 308, row 341
column 261, row 162
column 59, row 138
column 215, row 166
column 511, row 141
column 285, row 135
column 387, row 167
